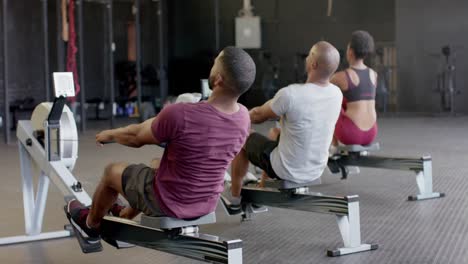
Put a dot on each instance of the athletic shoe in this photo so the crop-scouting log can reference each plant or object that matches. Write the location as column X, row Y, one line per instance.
column 231, row 204
column 227, row 177
column 353, row 169
column 77, row 214
column 249, row 178
column 332, row 150
column 258, row 208
column 258, row 170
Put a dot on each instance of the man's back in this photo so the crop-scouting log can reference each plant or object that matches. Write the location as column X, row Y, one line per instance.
column 307, row 125
column 202, row 142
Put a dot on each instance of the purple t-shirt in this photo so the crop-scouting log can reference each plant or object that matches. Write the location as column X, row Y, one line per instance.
column 202, row 142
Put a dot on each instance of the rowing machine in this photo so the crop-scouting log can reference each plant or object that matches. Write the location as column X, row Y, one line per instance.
column 290, row 195
column 175, row 236
column 49, row 142
column 357, row 155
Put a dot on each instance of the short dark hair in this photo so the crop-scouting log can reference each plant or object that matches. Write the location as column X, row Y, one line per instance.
column 239, row 68
column 362, row 43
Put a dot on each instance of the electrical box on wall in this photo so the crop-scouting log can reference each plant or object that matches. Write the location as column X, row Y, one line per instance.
column 248, row 32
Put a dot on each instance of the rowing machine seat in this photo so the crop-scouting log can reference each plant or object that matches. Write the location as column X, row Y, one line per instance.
column 171, row 222
column 358, row 148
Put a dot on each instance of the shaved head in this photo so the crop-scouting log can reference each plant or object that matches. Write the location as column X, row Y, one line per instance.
column 323, row 59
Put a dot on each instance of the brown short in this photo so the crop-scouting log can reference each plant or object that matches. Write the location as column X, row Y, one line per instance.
column 138, row 186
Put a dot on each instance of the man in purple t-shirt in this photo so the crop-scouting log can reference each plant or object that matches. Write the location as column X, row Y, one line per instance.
column 202, row 139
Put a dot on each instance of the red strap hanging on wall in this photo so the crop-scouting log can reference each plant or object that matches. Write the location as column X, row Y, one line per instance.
column 72, row 49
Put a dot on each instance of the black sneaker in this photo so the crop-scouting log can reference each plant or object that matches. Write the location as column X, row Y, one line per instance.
column 77, row 214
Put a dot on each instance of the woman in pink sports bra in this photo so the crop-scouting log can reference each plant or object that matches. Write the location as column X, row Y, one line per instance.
column 357, row 124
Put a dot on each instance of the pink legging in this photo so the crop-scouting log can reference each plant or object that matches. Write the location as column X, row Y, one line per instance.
column 349, row 134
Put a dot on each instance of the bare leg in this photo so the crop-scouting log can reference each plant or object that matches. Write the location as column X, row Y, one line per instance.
column 264, row 178
column 155, row 163
column 274, row 133
column 334, row 141
column 129, row 213
column 240, row 165
column 106, row 193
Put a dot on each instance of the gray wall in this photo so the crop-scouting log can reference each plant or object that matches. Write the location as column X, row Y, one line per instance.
column 422, row 28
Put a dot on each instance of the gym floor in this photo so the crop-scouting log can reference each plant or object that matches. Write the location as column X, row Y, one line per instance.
column 432, row 231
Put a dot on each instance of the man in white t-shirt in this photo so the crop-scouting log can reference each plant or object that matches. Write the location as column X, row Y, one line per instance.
column 308, row 115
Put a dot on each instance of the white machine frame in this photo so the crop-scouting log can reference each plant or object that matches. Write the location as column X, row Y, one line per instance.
column 31, row 150
column 49, row 158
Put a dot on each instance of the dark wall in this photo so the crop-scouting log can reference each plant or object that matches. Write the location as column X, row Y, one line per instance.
column 2, row 86
column 25, row 54
column 149, row 33
column 95, row 50
column 191, row 38
column 288, row 27
column 95, row 37
column 423, row 27
column 191, row 27
column 420, row 28
column 26, row 45
column 96, row 44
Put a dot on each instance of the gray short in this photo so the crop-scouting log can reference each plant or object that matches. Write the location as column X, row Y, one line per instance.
column 138, row 186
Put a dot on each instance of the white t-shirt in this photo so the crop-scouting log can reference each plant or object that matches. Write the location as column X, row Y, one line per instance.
column 308, row 117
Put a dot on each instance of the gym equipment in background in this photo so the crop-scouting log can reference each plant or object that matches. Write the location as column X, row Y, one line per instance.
column 300, row 74
column 384, row 73
column 270, row 69
column 446, row 80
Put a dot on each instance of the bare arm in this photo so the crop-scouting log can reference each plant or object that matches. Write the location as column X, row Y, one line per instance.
column 373, row 77
column 135, row 136
column 339, row 79
column 262, row 113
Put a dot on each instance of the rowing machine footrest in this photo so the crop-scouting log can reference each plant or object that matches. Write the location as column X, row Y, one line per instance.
column 248, row 210
column 358, row 148
column 171, row 223
column 285, row 185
